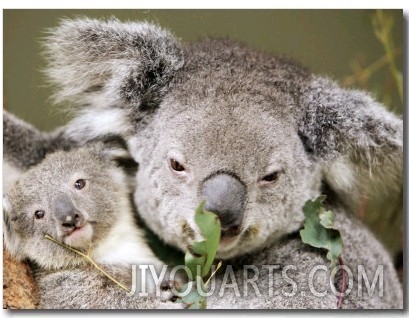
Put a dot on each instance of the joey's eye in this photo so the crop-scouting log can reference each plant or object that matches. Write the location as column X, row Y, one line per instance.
column 176, row 165
column 39, row 214
column 79, row 184
column 272, row 177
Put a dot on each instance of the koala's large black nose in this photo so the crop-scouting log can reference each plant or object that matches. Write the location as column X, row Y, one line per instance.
column 66, row 213
column 225, row 196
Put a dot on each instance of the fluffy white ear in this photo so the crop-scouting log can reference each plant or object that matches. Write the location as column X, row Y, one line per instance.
column 10, row 237
column 114, row 149
column 111, row 147
column 114, row 63
column 349, row 130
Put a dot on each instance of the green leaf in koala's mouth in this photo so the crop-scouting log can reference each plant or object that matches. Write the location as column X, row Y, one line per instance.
column 200, row 256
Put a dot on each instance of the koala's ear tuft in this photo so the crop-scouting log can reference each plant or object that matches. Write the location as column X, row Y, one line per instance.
column 349, row 128
column 114, row 148
column 10, row 237
column 110, row 63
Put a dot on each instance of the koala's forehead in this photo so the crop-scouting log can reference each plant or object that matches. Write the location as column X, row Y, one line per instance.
column 227, row 87
column 214, row 106
column 55, row 172
column 231, row 106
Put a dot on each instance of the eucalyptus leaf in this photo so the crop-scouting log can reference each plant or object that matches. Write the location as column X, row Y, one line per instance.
column 327, row 219
column 200, row 257
column 210, row 228
column 319, row 230
column 195, row 264
column 198, row 248
column 194, row 300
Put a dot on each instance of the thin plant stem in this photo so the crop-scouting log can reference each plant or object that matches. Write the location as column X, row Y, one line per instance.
column 382, row 27
column 368, row 71
column 217, row 268
column 341, row 297
column 89, row 259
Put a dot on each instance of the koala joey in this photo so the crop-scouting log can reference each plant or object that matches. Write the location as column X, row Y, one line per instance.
column 81, row 198
column 253, row 134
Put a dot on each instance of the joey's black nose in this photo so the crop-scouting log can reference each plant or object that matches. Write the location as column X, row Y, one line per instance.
column 66, row 213
column 225, row 196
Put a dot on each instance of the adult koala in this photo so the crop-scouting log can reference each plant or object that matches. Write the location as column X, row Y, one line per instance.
column 253, row 134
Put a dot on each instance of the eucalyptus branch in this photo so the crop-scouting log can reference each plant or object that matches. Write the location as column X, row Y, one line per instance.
column 362, row 74
column 382, row 24
column 89, row 259
column 343, row 286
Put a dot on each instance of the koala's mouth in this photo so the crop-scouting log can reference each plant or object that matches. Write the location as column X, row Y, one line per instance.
column 224, row 241
column 74, row 229
column 229, row 235
column 238, row 240
column 79, row 236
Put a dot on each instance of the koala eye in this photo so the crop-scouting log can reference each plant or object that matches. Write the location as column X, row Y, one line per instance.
column 79, row 184
column 39, row 214
column 176, row 165
column 272, row 177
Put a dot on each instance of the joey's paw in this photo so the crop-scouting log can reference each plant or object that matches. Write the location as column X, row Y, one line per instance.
column 168, row 290
column 168, row 295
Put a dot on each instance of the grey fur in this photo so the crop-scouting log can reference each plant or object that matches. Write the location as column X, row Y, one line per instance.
column 250, row 114
column 33, row 145
column 111, row 62
column 65, row 279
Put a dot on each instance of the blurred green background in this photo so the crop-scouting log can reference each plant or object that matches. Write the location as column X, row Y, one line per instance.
column 338, row 43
